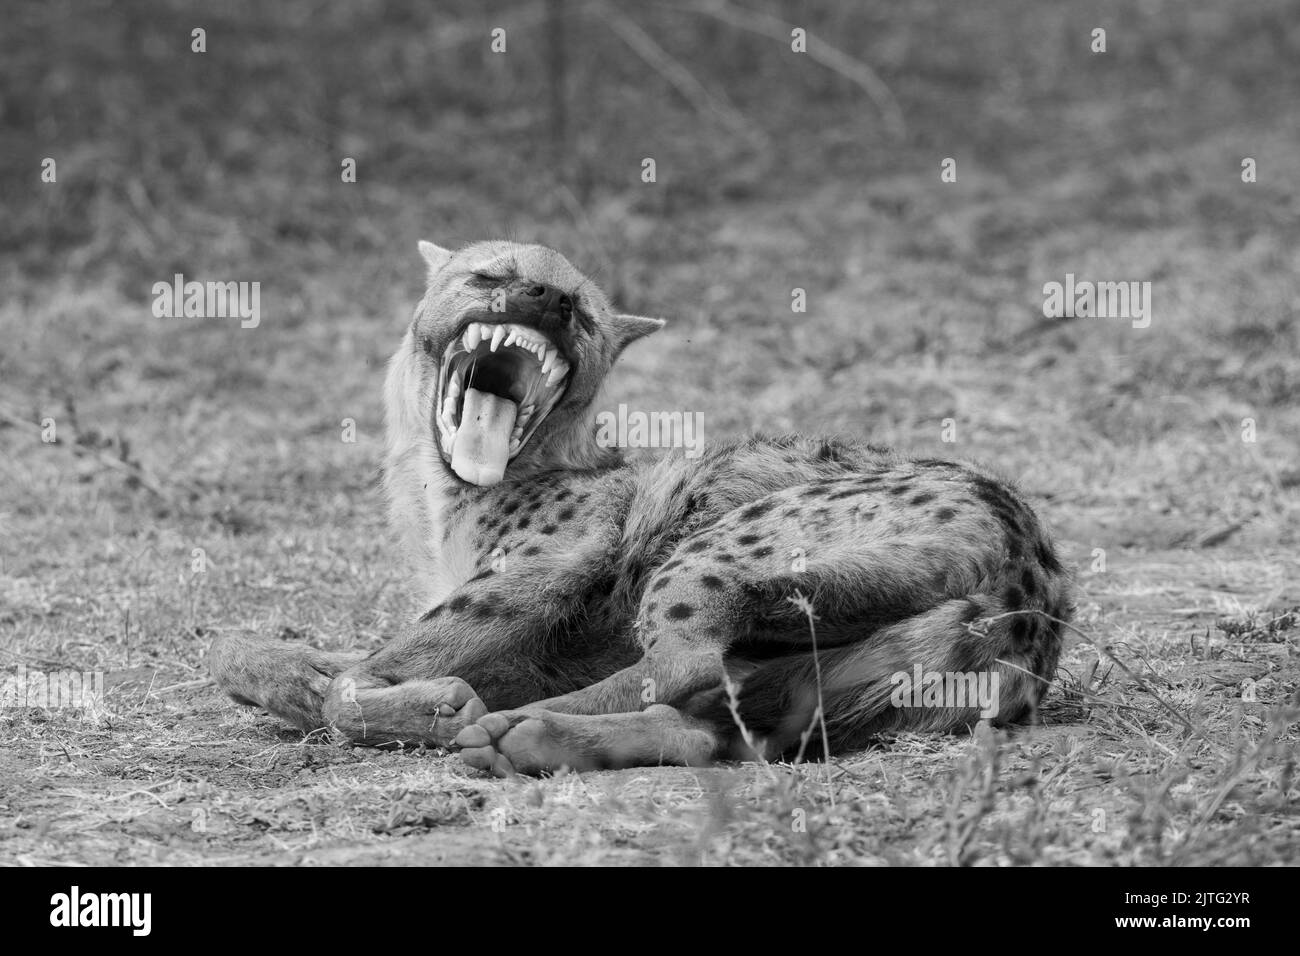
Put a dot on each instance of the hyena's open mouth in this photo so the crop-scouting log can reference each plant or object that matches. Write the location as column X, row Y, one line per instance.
column 498, row 382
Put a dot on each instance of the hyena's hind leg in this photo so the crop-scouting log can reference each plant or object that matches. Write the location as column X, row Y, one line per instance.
column 537, row 742
column 289, row 680
column 982, row 665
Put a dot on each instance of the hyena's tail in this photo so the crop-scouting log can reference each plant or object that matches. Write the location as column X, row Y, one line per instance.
column 944, row 669
column 289, row 680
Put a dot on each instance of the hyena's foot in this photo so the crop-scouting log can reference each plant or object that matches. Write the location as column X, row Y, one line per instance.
column 533, row 741
column 289, row 680
column 429, row 712
column 512, row 742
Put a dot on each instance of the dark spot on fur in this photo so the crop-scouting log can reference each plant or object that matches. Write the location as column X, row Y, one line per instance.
column 661, row 582
column 524, row 522
column 712, row 582
column 1029, row 582
column 747, row 539
column 921, row 499
column 724, row 557
column 1024, row 627
column 757, row 510
column 1017, row 521
column 945, row 514
column 549, row 529
column 459, row 603
column 532, row 550
column 900, row 489
column 565, row 514
column 762, row 552
column 847, row 493
column 1014, row 598
column 790, row 512
column 480, row 576
column 680, row 612
column 695, row 547
column 564, row 495
column 1043, row 552
column 672, row 565
column 510, row 507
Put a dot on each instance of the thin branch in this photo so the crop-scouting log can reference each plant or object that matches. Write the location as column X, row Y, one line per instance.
column 677, row 75
column 135, row 471
column 821, row 52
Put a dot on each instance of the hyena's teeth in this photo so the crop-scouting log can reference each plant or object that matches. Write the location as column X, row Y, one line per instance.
column 453, row 389
column 472, row 337
column 540, row 352
column 560, row 370
column 514, row 445
column 512, row 338
column 498, row 334
column 549, row 362
column 517, row 434
column 526, row 410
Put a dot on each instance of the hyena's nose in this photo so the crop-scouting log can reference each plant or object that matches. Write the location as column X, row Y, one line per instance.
column 545, row 305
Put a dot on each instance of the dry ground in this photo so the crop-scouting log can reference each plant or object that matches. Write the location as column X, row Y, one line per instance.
column 924, row 305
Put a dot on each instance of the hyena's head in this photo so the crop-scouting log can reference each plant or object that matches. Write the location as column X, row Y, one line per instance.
column 502, row 363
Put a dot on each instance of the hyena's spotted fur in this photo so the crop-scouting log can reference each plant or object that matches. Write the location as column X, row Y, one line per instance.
column 601, row 609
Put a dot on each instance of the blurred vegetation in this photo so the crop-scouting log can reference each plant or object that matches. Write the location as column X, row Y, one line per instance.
column 230, row 159
column 775, row 171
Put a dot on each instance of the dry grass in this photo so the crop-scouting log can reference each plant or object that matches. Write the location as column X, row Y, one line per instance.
column 924, row 304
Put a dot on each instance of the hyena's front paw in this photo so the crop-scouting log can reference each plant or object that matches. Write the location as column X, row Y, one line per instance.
column 516, row 741
column 364, row 710
column 289, row 680
column 454, row 706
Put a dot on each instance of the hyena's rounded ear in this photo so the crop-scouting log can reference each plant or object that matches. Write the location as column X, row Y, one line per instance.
column 628, row 328
column 435, row 256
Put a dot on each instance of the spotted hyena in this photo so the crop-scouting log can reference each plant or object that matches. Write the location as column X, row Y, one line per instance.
column 590, row 612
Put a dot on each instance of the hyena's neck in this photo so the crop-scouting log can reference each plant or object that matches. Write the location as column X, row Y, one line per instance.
column 428, row 505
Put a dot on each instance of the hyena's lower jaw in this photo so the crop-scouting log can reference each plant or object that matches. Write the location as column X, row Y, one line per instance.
column 497, row 384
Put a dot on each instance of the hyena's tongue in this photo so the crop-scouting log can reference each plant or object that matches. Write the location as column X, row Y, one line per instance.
column 482, row 446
